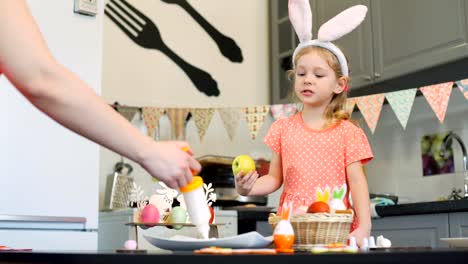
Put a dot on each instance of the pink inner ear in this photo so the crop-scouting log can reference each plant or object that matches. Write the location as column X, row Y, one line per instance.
column 300, row 16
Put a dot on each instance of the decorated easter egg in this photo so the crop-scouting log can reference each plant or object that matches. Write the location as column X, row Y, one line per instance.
column 318, row 207
column 300, row 210
column 150, row 214
column 283, row 236
column 178, row 215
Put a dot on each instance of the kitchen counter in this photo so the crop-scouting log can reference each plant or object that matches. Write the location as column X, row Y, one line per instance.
column 451, row 206
column 253, row 219
column 404, row 255
column 256, row 218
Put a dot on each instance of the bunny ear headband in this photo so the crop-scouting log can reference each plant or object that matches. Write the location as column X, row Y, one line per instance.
column 300, row 15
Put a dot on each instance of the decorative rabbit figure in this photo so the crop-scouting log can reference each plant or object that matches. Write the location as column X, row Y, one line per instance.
column 300, row 15
column 283, row 234
column 163, row 199
column 337, row 202
column 323, row 196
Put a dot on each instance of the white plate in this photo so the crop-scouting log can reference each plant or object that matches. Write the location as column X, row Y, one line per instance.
column 458, row 242
column 247, row 240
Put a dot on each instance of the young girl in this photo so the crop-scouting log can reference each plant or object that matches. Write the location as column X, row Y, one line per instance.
column 318, row 154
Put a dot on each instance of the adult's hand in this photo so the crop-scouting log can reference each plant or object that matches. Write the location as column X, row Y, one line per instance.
column 170, row 162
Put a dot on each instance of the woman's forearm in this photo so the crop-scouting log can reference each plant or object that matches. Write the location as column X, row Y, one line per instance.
column 68, row 100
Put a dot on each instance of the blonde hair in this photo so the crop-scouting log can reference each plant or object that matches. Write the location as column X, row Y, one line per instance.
column 335, row 112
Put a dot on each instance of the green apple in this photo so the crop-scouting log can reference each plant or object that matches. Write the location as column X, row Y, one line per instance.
column 244, row 164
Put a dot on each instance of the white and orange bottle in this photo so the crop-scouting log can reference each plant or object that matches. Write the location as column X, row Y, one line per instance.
column 283, row 235
column 195, row 200
column 194, row 197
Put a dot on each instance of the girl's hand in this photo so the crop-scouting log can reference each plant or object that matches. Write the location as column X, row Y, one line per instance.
column 360, row 233
column 245, row 183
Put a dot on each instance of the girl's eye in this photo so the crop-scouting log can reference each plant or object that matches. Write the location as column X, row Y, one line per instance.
column 300, row 74
column 319, row 76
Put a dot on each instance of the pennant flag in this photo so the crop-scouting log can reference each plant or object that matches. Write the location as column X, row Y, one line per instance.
column 402, row 103
column 255, row 117
column 283, row 110
column 230, row 117
column 202, row 118
column 463, row 86
column 370, row 107
column 350, row 104
column 438, row 96
column 128, row 112
column 151, row 117
column 178, row 117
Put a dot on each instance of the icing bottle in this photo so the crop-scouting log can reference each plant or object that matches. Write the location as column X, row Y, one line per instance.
column 198, row 210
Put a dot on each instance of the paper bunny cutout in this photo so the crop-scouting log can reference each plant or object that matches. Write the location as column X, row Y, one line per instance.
column 300, row 15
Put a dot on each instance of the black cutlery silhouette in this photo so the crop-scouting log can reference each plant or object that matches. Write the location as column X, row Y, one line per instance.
column 148, row 36
column 226, row 45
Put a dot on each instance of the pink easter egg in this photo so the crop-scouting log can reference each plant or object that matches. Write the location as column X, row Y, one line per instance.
column 150, row 214
column 130, row 245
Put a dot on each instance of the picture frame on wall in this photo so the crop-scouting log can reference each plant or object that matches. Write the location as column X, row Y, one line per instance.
column 435, row 160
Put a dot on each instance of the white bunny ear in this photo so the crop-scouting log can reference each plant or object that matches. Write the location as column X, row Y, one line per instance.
column 343, row 23
column 300, row 16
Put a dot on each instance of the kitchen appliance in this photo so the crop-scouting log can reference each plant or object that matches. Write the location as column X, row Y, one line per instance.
column 118, row 186
column 217, row 170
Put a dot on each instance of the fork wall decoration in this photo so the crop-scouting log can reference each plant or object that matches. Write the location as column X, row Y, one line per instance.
column 145, row 33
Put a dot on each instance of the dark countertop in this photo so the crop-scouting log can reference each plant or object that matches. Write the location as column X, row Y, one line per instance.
column 451, row 206
column 261, row 212
column 407, row 255
column 248, row 217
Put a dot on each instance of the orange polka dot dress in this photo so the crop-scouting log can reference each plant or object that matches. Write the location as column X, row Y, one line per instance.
column 314, row 161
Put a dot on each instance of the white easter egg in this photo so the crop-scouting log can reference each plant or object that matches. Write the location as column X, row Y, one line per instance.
column 337, row 204
column 284, row 227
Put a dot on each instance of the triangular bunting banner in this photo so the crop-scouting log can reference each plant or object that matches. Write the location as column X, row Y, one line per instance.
column 463, row 86
column 255, row 117
column 202, row 118
column 283, row 110
column 438, row 96
column 128, row 112
column 151, row 117
column 230, row 117
column 402, row 103
column 178, row 117
column 350, row 104
column 370, row 107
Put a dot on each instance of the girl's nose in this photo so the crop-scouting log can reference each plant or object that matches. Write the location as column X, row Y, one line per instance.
column 308, row 79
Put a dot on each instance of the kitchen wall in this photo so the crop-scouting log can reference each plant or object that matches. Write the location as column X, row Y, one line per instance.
column 133, row 75
column 397, row 167
column 140, row 77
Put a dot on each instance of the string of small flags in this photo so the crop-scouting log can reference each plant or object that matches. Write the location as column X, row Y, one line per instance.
column 370, row 106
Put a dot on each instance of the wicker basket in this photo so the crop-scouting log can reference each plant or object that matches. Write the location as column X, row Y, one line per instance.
column 317, row 229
